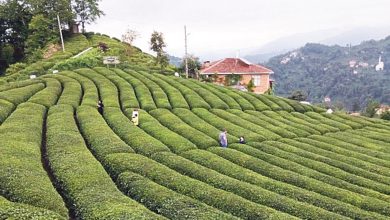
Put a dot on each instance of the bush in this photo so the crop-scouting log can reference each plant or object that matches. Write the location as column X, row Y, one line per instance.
column 162, row 175
column 258, row 165
column 165, row 201
column 176, row 99
column 5, row 109
column 259, row 106
column 128, row 99
column 194, row 121
column 244, row 104
column 12, row 210
column 260, row 122
column 22, row 177
column 327, row 121
column 314, row 122
column 268, row 102
column 213, row 100
column 48, row 96
column 159, row 96
column 225, row 167
column 267, row 134
column 135, row 137
column 108, row 91
column 71, row 93
column 245, row 190
column 174, row 123
column 88, row 187
column 193, row 99
column 102, row 141
column 20, row 95
column 142, row 92
column 299, row 121
column 281, row 102
column 230, row 101
column 90, row 92
column 231, row 128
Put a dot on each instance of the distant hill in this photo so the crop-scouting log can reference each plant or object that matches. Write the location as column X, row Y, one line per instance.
column 176, row 61
column 345, row 74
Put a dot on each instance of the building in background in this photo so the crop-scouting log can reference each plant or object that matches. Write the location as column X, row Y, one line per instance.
column 247, row 71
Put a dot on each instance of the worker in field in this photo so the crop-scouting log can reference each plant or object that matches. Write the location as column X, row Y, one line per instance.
column 100, row 107
column 242, row 140
column 135, row 117
column 223, row 138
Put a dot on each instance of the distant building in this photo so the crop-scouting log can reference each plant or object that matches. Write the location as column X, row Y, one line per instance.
column 382, row 109
column 352, row 63
column 380, row 66
column 238, row 66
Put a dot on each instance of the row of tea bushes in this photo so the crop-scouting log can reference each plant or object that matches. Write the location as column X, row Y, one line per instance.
column 88, row 187
column 19, row 95
column 22, row 176
column 90, row 93
column 6, row 109
column 49, row 95
column 71, row 92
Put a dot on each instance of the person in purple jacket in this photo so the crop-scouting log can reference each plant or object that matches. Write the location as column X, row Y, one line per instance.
column 223, row 138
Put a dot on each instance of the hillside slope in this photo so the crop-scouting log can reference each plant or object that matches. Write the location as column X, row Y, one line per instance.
column 345, row 74
column 60, row 157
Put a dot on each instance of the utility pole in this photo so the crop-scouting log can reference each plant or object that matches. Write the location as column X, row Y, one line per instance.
column 62, row 39
column 185, row 54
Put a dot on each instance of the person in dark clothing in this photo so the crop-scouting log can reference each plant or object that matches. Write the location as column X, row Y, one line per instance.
column 242, row 140
column 100, row 107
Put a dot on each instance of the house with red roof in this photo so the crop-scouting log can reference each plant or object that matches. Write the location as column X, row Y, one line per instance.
column 247, row 71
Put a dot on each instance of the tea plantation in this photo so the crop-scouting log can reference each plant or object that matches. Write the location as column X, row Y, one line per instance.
column 61, row 159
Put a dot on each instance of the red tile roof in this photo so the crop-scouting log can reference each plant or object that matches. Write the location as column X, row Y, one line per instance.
column 234, row 65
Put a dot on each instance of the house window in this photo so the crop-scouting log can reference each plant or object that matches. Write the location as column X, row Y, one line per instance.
column 256, row 80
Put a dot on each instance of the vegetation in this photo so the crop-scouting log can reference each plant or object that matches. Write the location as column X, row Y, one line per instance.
column 62, row 159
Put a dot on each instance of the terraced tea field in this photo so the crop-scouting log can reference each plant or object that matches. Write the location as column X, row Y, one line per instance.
column 61, row 159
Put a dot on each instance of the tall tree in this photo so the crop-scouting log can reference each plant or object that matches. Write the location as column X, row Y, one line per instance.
column 157, row 44
column 87, row 11
column 194, row 65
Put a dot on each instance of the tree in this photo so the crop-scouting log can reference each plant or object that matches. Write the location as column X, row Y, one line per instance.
column 298, row 96
column 250, row 86
column 129, row 36
column 371, row 107
column 193, row 65
column 157, row 44
column 87, row 11
column 41, row 32
column 386, row 116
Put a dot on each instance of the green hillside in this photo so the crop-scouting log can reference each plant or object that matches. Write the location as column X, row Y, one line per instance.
column 325, row 71
column 61, row 159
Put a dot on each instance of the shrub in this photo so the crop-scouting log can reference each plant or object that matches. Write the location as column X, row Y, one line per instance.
column 288, row 116
column 22, row 94
column 233, row 104
column 226, row 167
column 275, row 172
column 282, row 132
column 176, row 99
column 162, row 175
column 108, row 91
column 194, row 121
column 305, row 130
column 327, row 121
column 48, row 96
column 244, row 104
column 245, row 190
column 155, row 197
column 153, row 127
column 13, row 210
column 231, row 128
column 159, row 96
column 126, row 91
column 213, row 100
column 88, row 187
column 193, row 99
column 102, row 141
column 314, row 122
column 281, row 102
column 22, row 177
column 268, row 102
column 71, row 93
column 142, row 93
column 259, row 105
column 5, row 109
column 175, row 124
column 90, row 92
column 135, row 137
column 314, row 164
column 267, row 134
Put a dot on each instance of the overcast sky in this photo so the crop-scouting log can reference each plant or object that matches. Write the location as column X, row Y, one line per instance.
column 217, row 25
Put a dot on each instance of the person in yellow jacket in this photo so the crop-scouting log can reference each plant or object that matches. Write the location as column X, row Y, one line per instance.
column 134, row 117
